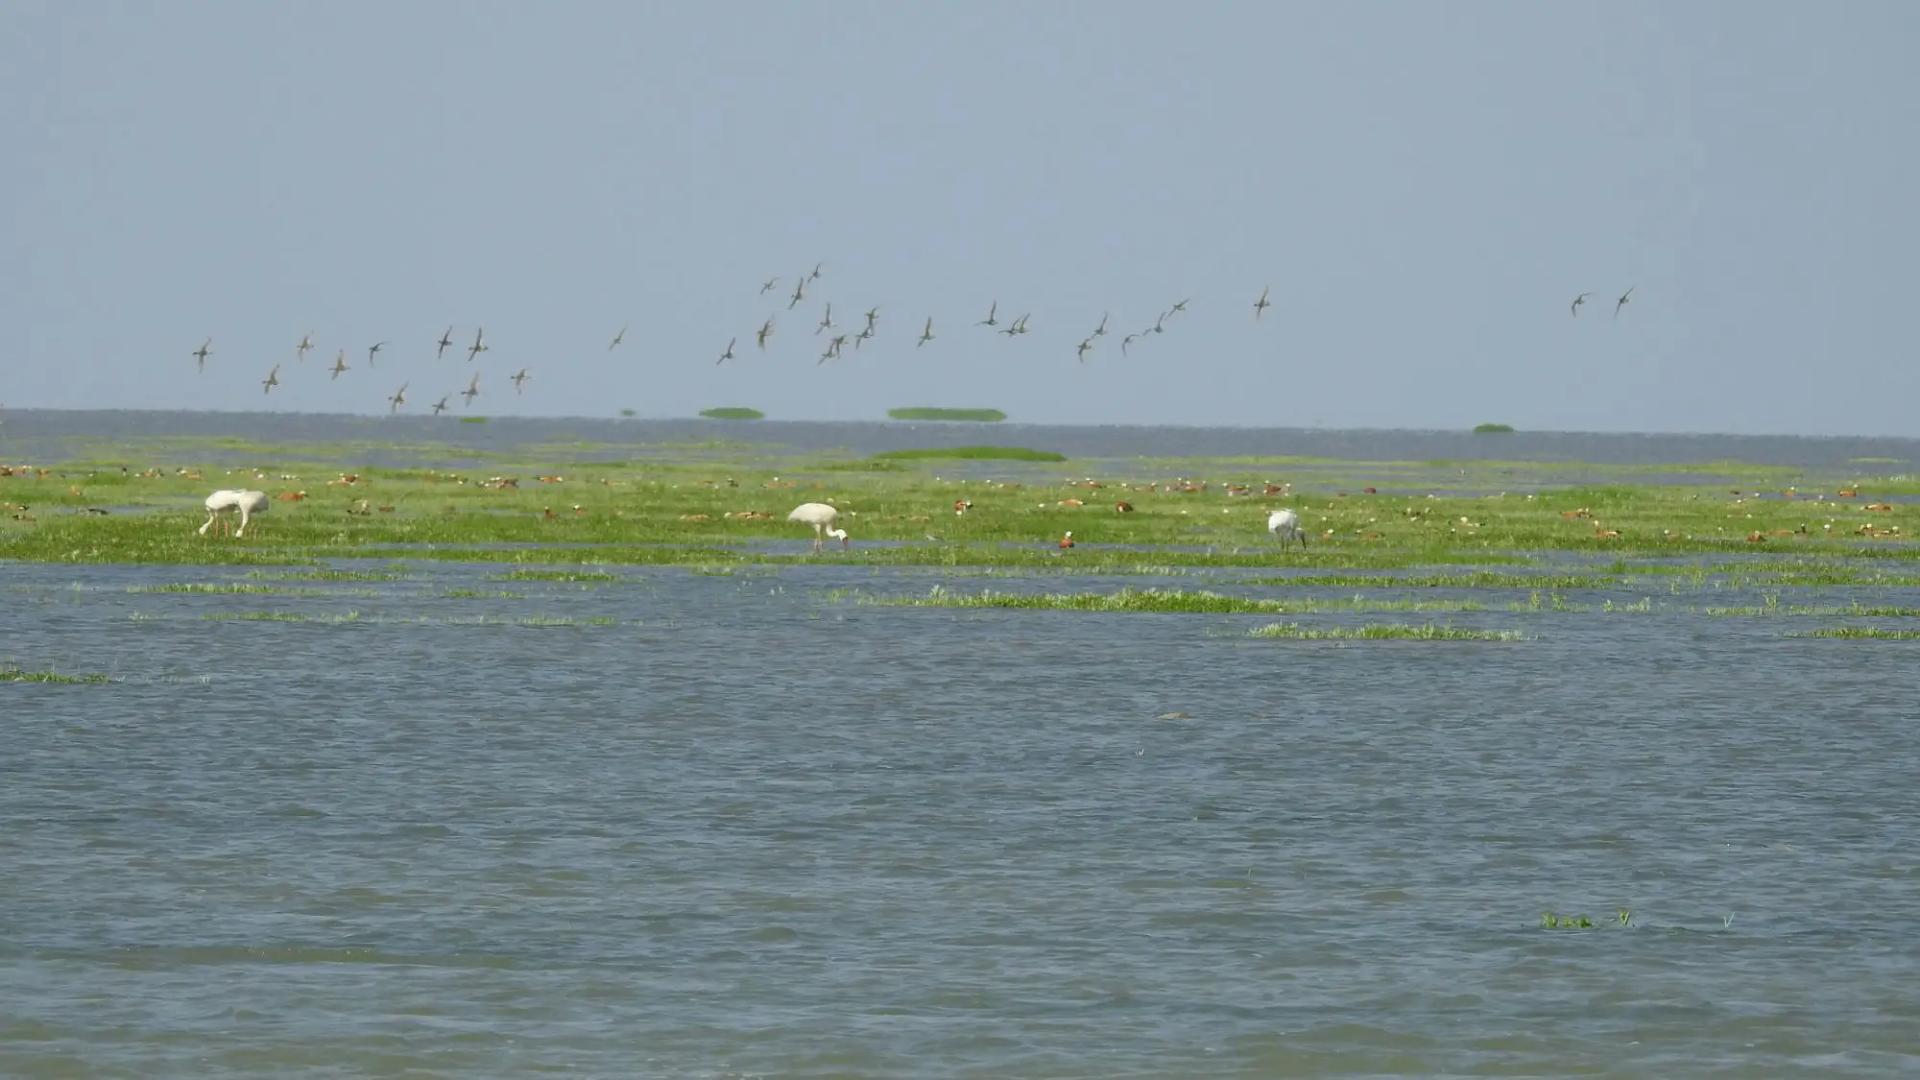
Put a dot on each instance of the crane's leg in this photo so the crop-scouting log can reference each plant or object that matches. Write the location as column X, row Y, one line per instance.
column 243, row 524
column 211, row 514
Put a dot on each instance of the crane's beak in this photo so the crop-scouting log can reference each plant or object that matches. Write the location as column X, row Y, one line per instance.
column 846, row 542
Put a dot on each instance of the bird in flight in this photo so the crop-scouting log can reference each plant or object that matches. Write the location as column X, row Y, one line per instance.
column 473, row 389
column 479, row 344
column 1159, row 324
column 1101, row 330
column 769, row 285
column 398, row 399
column 766, row 331
column 799, row 292
column 339, row 365
column 815, row 276
column 1182, row 305
column 1622, row 302
column 826, row 321
column 440, row 406
column 272, row 380
column 1018, row 326
column 446, row 340
column 519, row 377
column 374, row 348
column 300, row 350
column 860, row 338
column 926, row 334
column 1261, row 305
column 992, row 313
column 205, row 350
column 873, row 314
column 617, row 339
column 1085, row 346
column 833, row 349
column 1577, row 301
column 1126, row 341
column 728, row 355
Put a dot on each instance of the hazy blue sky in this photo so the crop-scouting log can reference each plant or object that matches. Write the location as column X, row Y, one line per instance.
column 1424, row 185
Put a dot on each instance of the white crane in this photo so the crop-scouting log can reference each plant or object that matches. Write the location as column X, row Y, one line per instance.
column 1285, row 525
column 821, row 517
column 247, row 503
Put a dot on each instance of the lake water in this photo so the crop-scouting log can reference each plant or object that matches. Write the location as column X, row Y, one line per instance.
column 687, row 825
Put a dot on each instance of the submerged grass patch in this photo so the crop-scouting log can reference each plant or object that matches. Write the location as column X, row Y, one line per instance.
column 733, row 412
column 1382, row 632
column 534, row 621
column 1874, row 633
column 594, row 576
column 971, row 453
column 1158, row 601
column 16, row 675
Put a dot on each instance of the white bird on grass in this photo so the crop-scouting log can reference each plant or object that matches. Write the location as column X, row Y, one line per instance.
column 1285, row 525
column 822, row 518
column 246, row 503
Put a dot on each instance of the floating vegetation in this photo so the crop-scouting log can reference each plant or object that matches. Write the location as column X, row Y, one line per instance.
column 208, row 587
column 1159, row 601
column 533, row 621
column 733, row 412
column 480, row 594
column 594, row 576
column 1482, row 579
column 973, row 453
column 928, row 412
column 327, row 575
column 16, row 675
column 1870, row 633
column 1771, row 606
column 1382, row 632
column 1554, row 921
column 1493, row 429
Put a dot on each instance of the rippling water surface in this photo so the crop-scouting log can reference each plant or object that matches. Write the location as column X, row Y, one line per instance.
column 681, row 824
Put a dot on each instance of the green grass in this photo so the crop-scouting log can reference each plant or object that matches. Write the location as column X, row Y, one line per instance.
column 733, row 412
column 1382, row 632
column 1493, row 429
column 1874, row 633
column 972, row 453
column 928, row 412
column 15, row 675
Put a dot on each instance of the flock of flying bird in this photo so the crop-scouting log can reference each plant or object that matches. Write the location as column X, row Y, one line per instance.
column 399, row 397
column 835, row 345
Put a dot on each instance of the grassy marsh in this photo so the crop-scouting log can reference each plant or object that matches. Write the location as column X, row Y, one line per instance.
column 725, row 504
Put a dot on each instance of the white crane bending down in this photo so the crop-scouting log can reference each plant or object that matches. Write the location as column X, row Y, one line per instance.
column 1285, row 524
column 247, row 503
column 821, row 517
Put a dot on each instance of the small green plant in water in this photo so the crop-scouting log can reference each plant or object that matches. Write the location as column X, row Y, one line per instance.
column 14, row 674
